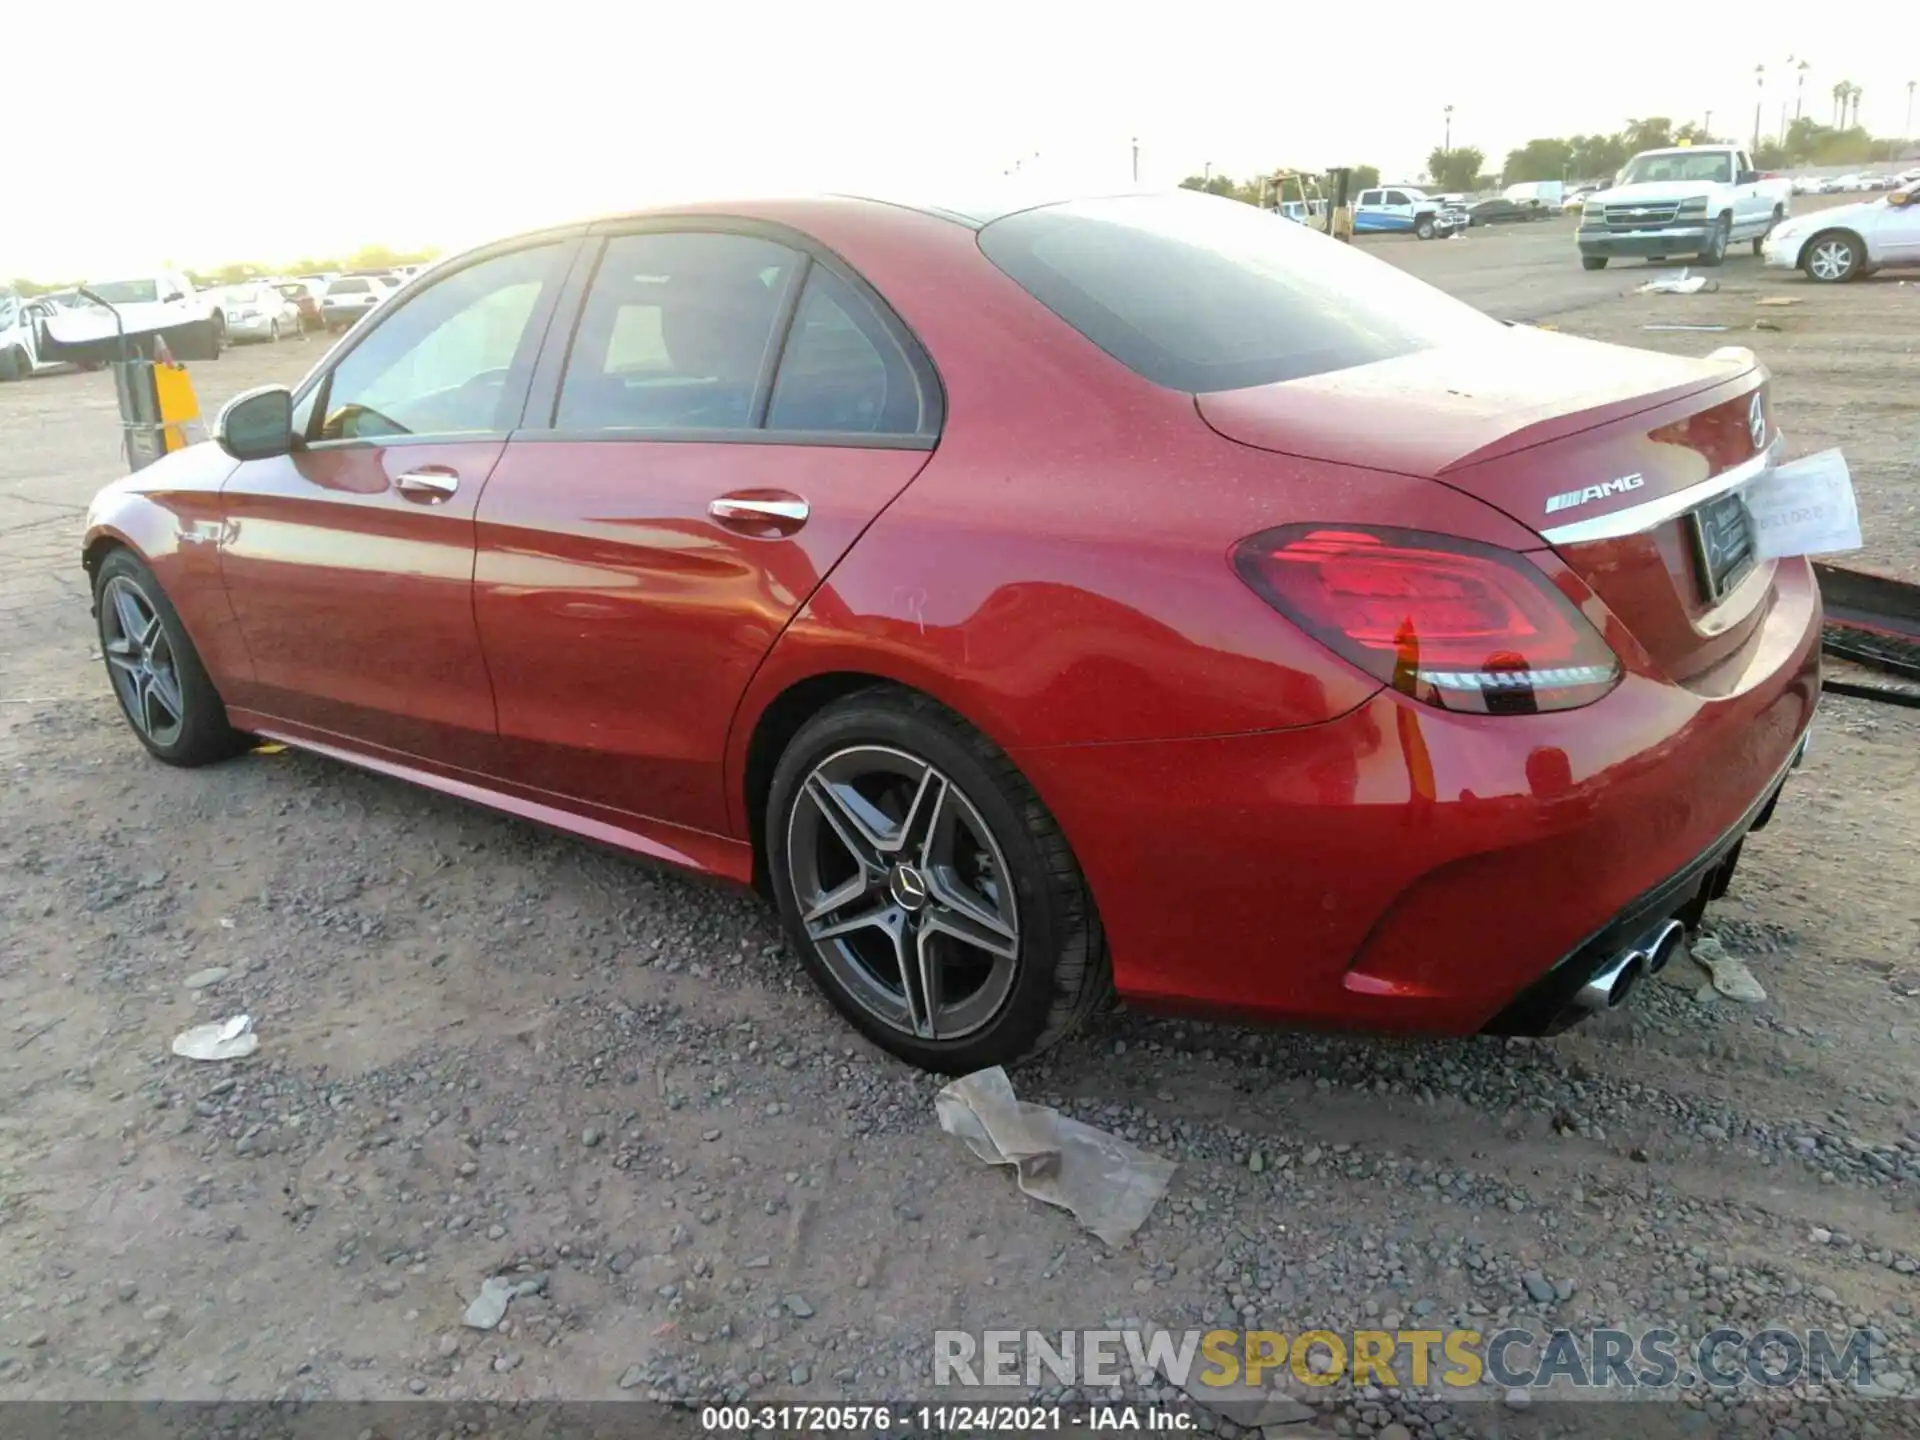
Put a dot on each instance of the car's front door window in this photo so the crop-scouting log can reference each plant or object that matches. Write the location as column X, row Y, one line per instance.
column 447, row 362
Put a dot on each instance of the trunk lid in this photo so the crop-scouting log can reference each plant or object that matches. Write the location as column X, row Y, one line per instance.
column 1605, row 451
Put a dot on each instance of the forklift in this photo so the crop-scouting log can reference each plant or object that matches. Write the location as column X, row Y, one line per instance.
column 1323, row 206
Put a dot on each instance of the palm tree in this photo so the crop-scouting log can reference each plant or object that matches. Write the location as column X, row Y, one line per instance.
column 1855, row 93
column 1841, row 90
column 1800, row 86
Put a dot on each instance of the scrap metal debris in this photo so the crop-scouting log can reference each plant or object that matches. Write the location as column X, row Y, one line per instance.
column 1108, row 1184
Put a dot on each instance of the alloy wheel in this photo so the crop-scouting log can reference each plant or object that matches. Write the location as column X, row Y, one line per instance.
column 140, row 659
column 904, row 892
column 1831, row 260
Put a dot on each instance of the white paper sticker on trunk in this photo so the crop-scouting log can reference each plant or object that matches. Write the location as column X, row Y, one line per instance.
column 1806, row 507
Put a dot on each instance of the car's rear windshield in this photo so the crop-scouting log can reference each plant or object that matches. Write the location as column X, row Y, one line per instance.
column 1201, row 293
column 348, row 287
column 127, row 292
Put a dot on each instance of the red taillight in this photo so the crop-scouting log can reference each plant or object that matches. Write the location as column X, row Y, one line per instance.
column 1454, row 623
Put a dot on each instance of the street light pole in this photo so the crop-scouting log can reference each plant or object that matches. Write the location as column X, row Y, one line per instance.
column 1760, row 96
column 1708, row 127
column 1909, row 125
column 1446, row 143
column 1136, row 159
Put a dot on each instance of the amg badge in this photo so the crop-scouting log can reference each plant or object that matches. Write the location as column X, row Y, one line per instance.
column 1570, row 498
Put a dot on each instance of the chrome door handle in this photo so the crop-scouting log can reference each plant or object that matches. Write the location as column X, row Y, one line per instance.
column 793, row 512
column 427, row 484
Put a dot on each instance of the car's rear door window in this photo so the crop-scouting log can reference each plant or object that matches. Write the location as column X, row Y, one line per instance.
column 1201, row 294
column 677, row 333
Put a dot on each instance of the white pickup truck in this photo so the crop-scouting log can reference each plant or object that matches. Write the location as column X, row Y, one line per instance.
column 1694, row 200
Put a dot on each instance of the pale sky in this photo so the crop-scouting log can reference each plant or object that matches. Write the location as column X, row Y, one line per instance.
column 409, row 123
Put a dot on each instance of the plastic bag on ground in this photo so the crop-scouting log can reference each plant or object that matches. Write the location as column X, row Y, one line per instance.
column 1108, row 1184
column 1731, row 977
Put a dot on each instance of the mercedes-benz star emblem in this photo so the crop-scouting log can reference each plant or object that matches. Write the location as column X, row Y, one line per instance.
column 1757, row 422
column 908, row 887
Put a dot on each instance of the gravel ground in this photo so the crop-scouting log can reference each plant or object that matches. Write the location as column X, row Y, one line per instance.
column 487, row 1051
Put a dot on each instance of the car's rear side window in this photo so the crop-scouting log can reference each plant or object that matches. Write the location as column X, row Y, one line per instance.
column 1201, row 293
column 347, row 287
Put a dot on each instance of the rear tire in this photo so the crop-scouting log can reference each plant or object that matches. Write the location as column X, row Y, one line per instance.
column 165, row 694
column 1003, row 850
column 1760, row 240
column 14, row 365
column 1593, row 262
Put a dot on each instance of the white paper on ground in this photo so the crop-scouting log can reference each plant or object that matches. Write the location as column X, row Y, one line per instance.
column 1805, row 507
column 222, row 1040
column 1107, row 1183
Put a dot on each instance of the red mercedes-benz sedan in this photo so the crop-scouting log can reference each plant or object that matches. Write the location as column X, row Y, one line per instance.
column 1126, row 594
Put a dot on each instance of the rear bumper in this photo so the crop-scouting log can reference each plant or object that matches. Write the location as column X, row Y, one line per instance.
column 1544, row 1005
column 1689, row 239
column 1401, row 868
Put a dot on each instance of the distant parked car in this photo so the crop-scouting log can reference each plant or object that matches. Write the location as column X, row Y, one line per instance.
column 349, row 298
column 1501, row 211
column 259, row 312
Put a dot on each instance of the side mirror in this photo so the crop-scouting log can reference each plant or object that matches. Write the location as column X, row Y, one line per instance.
column 171, row 296
column 257, row 424
column 1747, row 177
column 1901, row 199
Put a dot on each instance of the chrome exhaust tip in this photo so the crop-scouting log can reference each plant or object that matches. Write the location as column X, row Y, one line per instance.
column 1662, row 945
column 1610, row 984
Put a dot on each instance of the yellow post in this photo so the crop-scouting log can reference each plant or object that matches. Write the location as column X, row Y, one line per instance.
column 179, row 409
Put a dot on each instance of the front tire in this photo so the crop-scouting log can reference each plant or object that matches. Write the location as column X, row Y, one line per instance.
column 1593, row 262
column 164, row 691
column 927, row 889
column 14, row 365
column 1717, row 239
column 1423, row 227
column 1834, row 257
